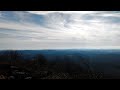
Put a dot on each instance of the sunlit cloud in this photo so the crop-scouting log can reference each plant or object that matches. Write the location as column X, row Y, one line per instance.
column 59, row 29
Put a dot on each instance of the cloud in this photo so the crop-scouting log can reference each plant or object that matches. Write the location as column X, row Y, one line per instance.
column 68, row 12
column 59, row 29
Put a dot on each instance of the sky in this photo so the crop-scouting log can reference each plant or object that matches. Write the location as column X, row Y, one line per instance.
column 59, row 30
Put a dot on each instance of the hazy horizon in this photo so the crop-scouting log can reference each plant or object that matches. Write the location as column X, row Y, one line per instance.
column 61, row 48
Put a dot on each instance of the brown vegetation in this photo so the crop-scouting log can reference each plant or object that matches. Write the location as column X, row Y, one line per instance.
column 40, row 68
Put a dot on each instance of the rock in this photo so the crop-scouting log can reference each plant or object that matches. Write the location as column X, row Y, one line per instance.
column 2, row 77
column 11, row 77
column 28, row 78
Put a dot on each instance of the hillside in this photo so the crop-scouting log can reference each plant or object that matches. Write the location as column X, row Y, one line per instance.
column 61, row 64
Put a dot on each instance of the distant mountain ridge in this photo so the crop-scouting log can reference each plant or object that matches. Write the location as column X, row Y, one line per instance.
column 73, row 52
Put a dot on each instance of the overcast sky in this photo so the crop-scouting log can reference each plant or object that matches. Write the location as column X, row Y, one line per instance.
column 59, row 29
